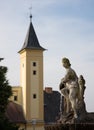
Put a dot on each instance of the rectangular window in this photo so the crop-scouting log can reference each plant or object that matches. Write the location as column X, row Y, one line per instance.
column 34, row 72
column 34, row 96
column 34, row 63
column 15, row 98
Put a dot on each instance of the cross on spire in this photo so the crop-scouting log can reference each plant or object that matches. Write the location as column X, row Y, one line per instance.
column 30, row 14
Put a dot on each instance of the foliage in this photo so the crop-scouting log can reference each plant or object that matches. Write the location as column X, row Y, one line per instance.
column 5, row 93
column 5, row 89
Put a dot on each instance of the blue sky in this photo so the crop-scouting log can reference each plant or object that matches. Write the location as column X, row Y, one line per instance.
column 64, row 27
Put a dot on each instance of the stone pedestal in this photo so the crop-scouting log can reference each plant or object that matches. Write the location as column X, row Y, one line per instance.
column 83, row 115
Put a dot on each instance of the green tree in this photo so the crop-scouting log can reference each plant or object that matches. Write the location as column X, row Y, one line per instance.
column 5, row 93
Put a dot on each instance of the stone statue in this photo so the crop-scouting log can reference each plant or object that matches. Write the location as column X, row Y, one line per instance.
column 82, row 87
column 69, row 87
column 72, row 88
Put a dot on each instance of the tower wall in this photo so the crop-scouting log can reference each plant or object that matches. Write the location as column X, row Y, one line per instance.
column 31, row 79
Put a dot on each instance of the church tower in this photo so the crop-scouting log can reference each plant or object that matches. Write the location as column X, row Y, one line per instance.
column 31, row 76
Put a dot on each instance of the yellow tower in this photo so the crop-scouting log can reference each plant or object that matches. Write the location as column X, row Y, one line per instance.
column 31, row 77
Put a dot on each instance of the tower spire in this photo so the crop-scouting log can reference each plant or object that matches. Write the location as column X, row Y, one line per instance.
column 31, row 40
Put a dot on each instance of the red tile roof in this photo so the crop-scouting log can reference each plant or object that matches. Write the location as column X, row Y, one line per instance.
column 15, row 113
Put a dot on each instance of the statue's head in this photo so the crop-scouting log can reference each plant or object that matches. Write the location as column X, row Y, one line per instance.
column 66, row 62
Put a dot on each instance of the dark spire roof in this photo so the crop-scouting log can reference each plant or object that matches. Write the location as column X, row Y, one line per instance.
column 31, row 40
